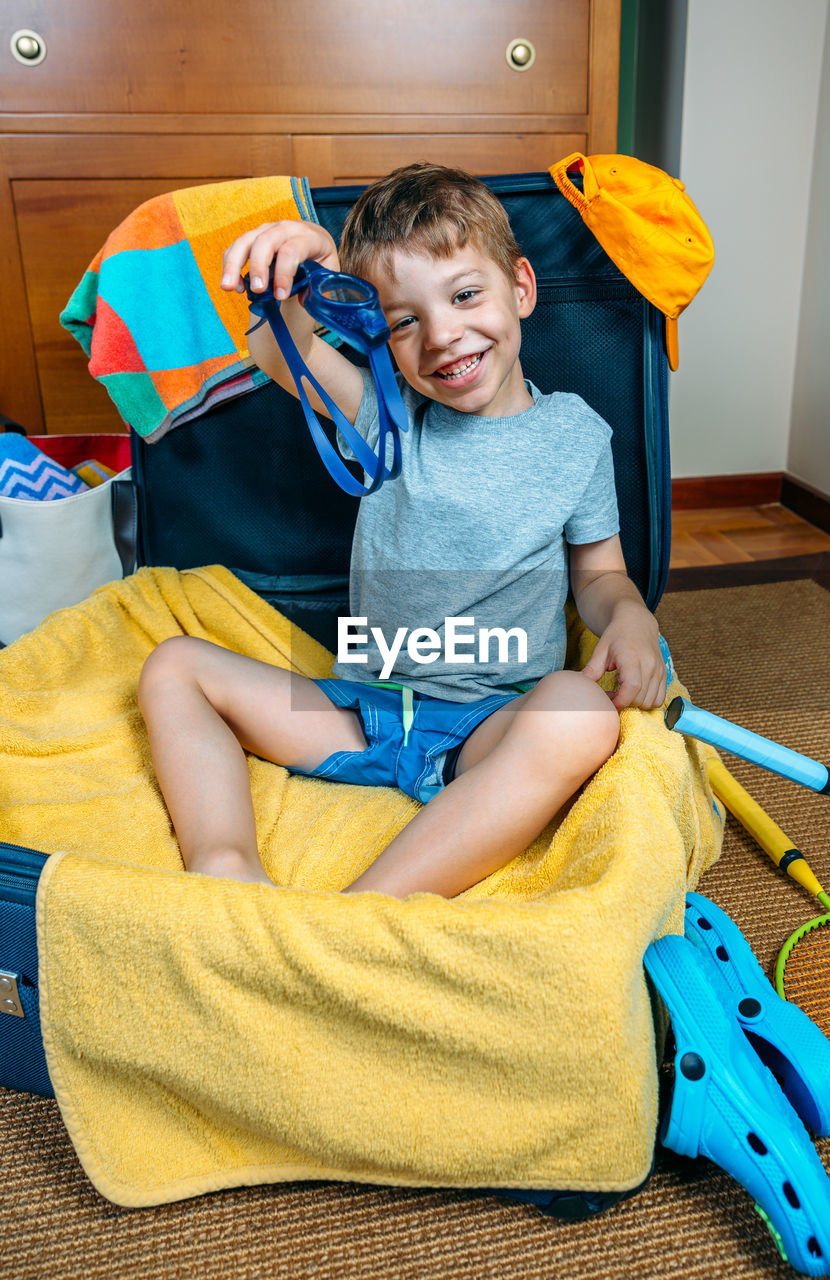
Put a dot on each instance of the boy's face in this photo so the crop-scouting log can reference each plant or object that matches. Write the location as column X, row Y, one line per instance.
column 455, row 328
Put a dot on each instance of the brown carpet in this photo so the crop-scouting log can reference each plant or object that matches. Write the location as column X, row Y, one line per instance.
column 753, row 646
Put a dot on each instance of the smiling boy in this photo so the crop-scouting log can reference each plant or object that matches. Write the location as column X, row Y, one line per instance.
column 505, row 499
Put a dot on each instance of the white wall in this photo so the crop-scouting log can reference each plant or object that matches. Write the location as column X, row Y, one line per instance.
column 752, row 79
column 809, row 453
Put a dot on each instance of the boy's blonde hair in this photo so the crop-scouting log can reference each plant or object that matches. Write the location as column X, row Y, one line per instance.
column 426, row 208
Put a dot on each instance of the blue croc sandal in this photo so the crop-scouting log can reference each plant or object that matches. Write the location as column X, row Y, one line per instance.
column 782, row 1035
column 727, row 1106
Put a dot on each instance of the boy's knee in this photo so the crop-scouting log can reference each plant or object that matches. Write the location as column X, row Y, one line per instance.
column 570, row 691
column 172, row 659
column 580, row 712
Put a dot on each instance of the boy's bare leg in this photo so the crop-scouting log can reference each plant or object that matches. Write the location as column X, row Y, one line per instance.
column 204, row 707
column 515, row 772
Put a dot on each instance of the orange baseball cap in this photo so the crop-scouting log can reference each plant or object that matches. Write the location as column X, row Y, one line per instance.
column 647, row 225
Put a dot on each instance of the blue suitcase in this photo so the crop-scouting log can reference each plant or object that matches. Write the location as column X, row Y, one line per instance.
column 231, row 489
column 22, row 1061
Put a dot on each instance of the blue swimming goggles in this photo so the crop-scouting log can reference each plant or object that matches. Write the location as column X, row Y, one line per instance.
column 349, row 307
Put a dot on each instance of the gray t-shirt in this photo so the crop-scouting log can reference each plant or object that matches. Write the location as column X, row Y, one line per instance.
column 474, row 529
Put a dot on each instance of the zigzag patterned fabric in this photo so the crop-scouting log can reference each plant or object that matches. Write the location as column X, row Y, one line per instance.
column 161, row 335
column 25, row 472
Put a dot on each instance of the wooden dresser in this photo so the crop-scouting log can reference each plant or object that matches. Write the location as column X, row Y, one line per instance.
column 135, row 99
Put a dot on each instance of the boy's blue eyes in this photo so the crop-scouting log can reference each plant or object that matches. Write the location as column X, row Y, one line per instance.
column 464, row 295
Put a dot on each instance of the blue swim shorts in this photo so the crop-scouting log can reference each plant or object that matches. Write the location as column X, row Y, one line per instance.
column 412, row 739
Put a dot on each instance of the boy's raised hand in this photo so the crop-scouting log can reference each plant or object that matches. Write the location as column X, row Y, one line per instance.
column 286, row 244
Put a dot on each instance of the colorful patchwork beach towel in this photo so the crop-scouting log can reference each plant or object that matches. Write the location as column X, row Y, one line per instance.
column 165, row 261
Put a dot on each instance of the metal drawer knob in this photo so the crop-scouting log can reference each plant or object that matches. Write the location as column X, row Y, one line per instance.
column 520, row 54
column 28, row 47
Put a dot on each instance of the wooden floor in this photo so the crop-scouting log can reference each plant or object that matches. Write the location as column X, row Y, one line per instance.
column 726, row 535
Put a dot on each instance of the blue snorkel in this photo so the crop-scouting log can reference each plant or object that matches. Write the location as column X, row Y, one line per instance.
column 349, row 307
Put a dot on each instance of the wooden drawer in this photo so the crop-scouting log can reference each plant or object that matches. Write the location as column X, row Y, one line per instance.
column 360, row 158
column 383, row 57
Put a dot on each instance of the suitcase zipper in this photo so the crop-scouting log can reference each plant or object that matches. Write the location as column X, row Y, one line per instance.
column 20, row 870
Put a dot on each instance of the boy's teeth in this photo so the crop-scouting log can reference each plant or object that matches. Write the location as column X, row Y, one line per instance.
column 459, row 369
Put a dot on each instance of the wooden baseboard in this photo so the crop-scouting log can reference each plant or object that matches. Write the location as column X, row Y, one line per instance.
column 752, row 490
column 806, row 502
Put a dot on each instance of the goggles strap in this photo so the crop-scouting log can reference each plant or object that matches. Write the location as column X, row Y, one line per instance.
column 374, row 464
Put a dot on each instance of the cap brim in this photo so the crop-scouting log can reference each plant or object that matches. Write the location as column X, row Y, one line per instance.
column 672, row 349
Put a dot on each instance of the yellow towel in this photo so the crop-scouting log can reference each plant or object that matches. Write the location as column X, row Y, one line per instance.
column 204, row 1034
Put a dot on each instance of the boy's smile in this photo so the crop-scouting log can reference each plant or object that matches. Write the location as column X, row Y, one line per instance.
column 455, row 328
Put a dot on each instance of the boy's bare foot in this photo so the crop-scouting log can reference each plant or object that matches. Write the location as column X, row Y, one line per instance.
column 230, row 864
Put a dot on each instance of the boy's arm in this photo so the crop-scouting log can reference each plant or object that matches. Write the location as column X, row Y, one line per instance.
column 612, row 607
column 287, row 244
